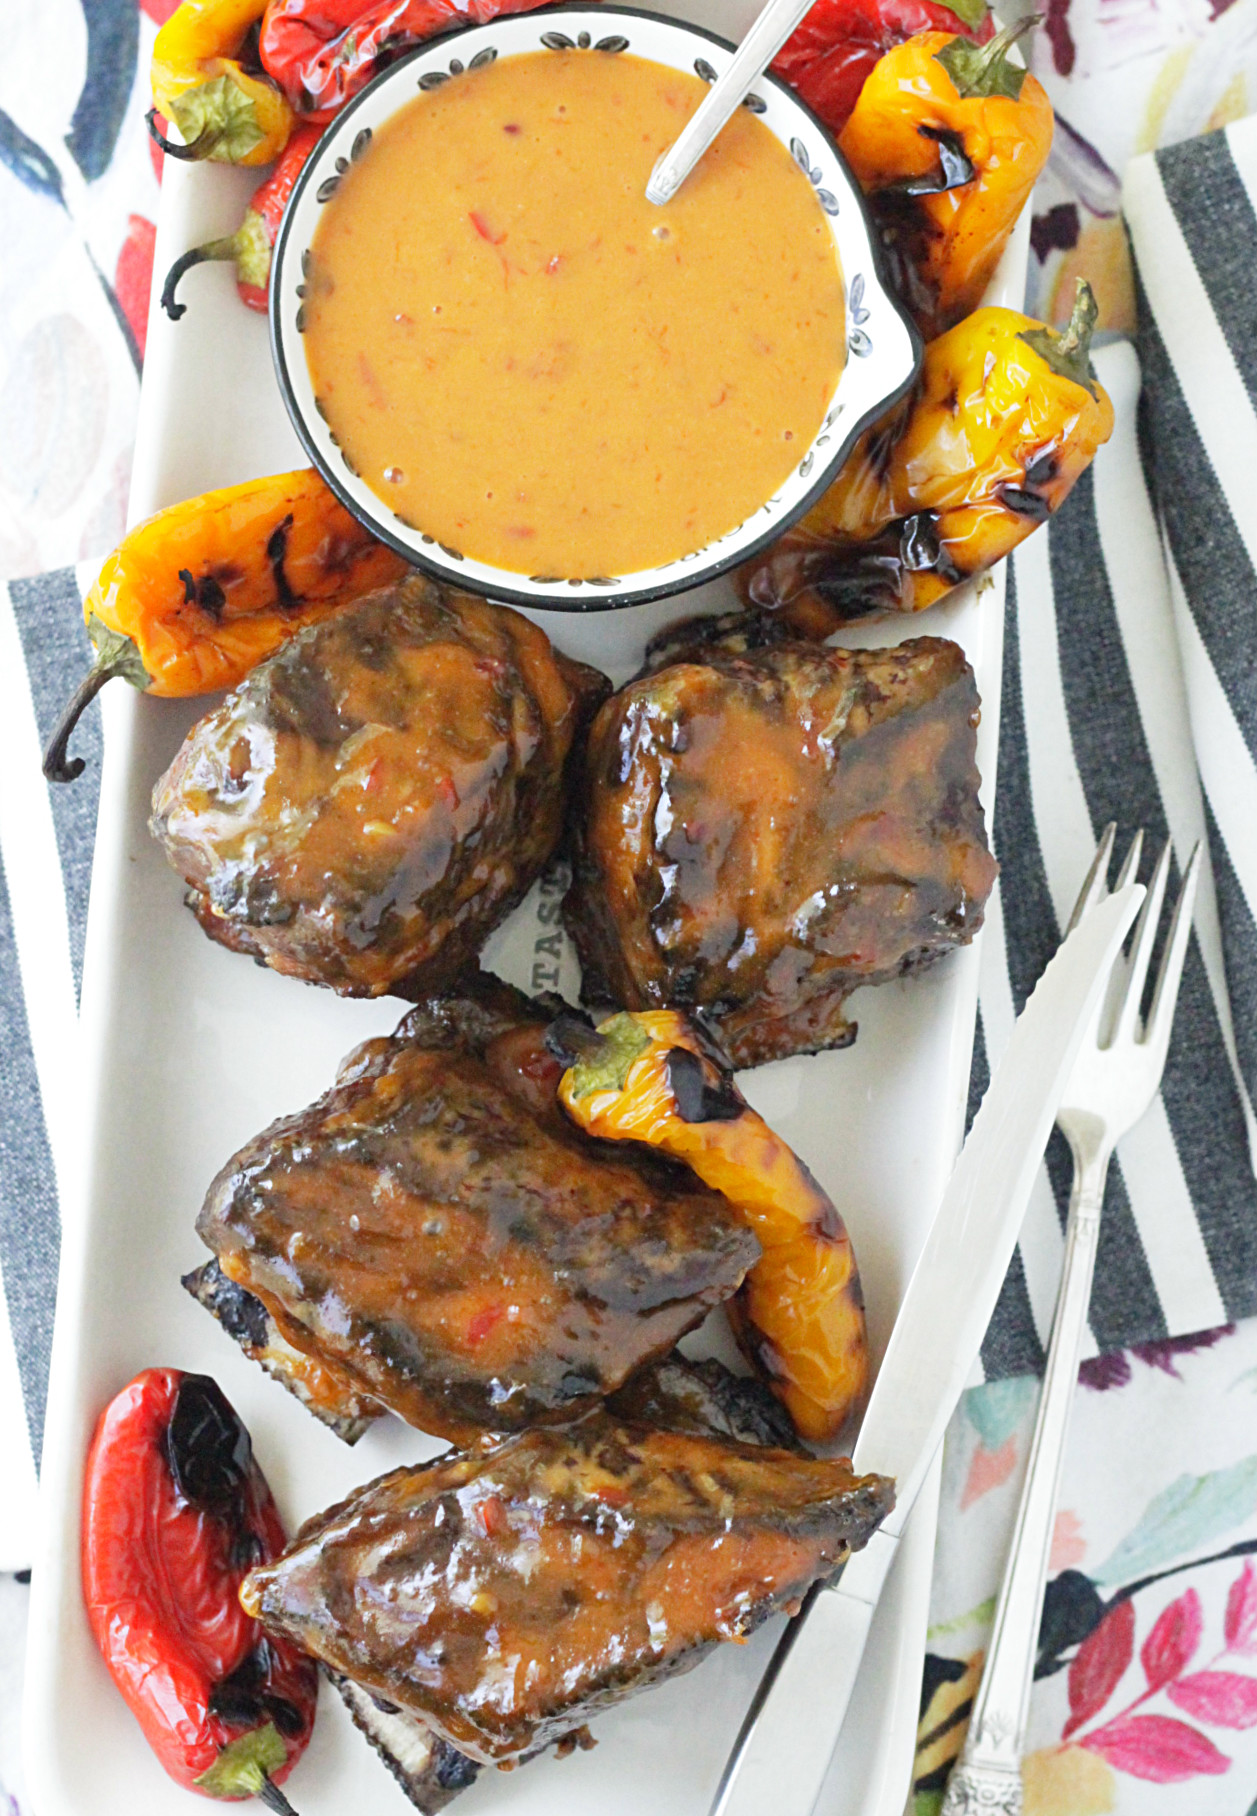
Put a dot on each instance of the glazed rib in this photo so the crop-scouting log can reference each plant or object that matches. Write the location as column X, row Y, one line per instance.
column 375, row 797
column 436, row 1235
column 760, row 831
column 506, row 1596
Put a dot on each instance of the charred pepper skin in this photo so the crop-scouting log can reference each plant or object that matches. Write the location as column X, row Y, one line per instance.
column 196, row 596
column 1006, row 415
column 205, row 80
column 830, row 56
column 649, row 1076
column 321, row 52
column 947, row 141
column 249, row 248
column 175, row 1514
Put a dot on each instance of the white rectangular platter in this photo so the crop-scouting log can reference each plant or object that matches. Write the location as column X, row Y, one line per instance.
column 188, row 1051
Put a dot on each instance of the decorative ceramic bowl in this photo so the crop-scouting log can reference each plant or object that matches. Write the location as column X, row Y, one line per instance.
column 884, row 350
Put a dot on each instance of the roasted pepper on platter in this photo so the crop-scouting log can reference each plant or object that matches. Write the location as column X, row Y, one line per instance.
column 250, row 246
column 176, row 1513
column 194, row 597
column 947, row 140
column 1005, row 416
column 650, row 1076
column 830, row 56
column 321, row 52
column 205, row 80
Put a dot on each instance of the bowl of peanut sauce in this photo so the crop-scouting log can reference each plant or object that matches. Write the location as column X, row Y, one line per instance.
column 533, row 382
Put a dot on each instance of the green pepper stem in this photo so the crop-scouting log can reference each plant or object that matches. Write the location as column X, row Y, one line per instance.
column 198, row 255
column 571, row 1037
column 1075, row 342
column 623, row 1040
column 274, row 1799
column 244, row 1766
column 983, row 69
column 1068, row 353
column 56, row 766
column 204, row 144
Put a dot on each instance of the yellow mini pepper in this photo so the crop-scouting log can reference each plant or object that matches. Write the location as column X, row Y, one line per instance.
column 650, row 1077
column 225, row 110
column 947, row 140
column 1005, row 416
column 196, row 596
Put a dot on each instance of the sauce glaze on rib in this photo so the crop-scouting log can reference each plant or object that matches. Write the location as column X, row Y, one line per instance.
column 505, row 1596
column 375, row 797
column 762, row 830
column 441, row 1238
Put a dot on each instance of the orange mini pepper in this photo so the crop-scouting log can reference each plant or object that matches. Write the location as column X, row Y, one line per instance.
column 222, row 100
column 196, row 596
column 1005, row 415
column 946, row 140
column 649, row 1076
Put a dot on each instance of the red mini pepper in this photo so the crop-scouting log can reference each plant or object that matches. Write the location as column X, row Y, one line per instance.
column 175, row 1514
column 321, row 52
column 827, row 60
column 251, row 245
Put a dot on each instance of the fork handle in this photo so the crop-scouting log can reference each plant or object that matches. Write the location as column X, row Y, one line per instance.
column 987, row 1777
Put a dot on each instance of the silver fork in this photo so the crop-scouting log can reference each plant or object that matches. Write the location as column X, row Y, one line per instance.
column 1114, row 1080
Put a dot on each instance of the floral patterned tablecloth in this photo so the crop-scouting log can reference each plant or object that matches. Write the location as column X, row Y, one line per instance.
column 1153, row 1596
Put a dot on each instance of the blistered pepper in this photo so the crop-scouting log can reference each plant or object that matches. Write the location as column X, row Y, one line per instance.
column 828, row 59
column 194, row 597
column 251, row 245
column 321, row 52
column 651, row 1077
column 206, row 79
column 947, row 140
column 1005, row 415
column 176, row 1513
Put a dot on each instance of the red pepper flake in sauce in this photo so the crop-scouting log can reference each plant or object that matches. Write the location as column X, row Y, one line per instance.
column 491, row 1316
column 491, row 1513
column 371, row 384
column 483, row 229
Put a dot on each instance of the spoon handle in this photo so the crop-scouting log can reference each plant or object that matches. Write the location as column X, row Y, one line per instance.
column 725, row 96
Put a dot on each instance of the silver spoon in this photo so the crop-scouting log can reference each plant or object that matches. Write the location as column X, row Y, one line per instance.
column 725, row 96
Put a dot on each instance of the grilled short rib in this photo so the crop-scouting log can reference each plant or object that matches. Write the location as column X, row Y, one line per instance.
column 760, row 830
column 375, row 797
column 441, row 1241
column 505, row 1596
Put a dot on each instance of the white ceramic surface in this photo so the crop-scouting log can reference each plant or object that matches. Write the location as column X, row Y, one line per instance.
column 189, row 1050
column 882, row 347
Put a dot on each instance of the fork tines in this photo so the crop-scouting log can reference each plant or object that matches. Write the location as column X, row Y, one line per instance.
column 1130, row 974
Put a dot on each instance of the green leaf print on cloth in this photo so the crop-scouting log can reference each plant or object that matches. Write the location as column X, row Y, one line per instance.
column 1188, row 1514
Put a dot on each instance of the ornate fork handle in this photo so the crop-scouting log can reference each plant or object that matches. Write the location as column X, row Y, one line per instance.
column 987, row 1777
column 983, row 1790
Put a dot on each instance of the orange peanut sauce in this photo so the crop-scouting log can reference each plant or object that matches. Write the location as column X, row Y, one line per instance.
column 530, row 362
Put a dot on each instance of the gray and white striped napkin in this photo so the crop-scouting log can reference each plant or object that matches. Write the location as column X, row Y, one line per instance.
column 1094, row 727
column 1128, row 683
